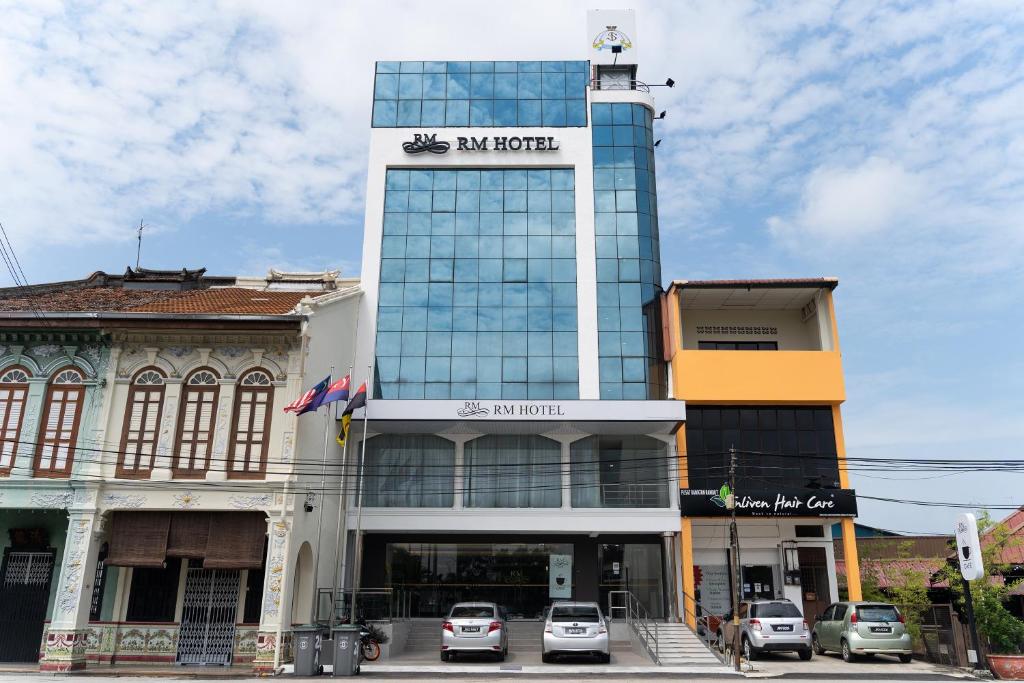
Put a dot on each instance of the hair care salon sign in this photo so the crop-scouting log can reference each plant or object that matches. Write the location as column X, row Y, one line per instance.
column 560, row 576
column 780, row 502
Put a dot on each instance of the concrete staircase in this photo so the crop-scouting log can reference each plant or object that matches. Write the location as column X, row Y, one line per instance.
column 425, row 636
column 679, row 646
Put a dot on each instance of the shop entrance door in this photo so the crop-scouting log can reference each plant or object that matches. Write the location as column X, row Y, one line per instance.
column 633, row 567
column 24, row 594
column 207, row 634
column 814, row 587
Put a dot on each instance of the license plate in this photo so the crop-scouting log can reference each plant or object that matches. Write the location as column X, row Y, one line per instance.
column 575, row 631
column 471, row 629
column 881, row 629
column 784, row 627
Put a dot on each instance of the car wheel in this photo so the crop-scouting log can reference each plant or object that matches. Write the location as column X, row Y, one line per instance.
column 818, row 649
column 546, row 657
column 721, row 642
column 805, row 655
column 847, row 655
column 501, row 656
column 748, row 651
column 445, row 657
column 906, row 659
column 605, row 658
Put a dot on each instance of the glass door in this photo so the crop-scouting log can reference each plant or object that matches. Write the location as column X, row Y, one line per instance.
column 633, row 567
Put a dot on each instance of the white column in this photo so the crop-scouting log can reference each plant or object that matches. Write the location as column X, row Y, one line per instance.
column 66, row 639
column 217, row 469
column 274, row 638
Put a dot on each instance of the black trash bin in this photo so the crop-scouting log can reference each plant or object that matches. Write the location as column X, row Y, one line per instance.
column 347, row 653
column 306, row 639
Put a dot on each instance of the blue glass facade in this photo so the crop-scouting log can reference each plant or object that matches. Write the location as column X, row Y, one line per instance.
column 478, row 285
column 628, row 257
column 462, row 94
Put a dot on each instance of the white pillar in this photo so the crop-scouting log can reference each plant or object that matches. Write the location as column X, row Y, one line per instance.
column 66, row 639
column 273, row 641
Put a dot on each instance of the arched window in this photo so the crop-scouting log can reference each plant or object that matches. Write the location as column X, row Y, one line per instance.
column 13, row 394
column 141, row 424
column 250, row 429
column 62, row 412
column 196, row 424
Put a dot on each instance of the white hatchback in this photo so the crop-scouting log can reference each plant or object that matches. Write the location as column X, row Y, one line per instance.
column 575, row 628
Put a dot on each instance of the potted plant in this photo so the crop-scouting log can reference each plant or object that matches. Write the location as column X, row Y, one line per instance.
column 1003, row 631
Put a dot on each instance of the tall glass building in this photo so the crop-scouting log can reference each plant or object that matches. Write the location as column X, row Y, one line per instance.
column 521, row 442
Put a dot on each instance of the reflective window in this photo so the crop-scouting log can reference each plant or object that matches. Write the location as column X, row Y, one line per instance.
column 439, row 94
column 409, row 470
column 478, row 285
column 513, row 471
column 619, row 471
column 628, row 253
column 779, row 446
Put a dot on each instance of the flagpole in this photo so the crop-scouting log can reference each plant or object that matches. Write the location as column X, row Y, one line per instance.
column 359, row 500
column 314, row 609
column 341, row 538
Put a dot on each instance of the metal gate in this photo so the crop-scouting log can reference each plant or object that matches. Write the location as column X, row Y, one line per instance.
column 207, row 634
column 24, row 594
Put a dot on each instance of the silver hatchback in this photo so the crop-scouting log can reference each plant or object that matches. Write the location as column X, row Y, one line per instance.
column 575, row 628
column 476, row 627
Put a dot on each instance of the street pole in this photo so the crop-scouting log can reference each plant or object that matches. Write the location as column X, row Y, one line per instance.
column 358, row 558
column 341, row 537
column 969, row 603
column 734, row 540
column 315, row 608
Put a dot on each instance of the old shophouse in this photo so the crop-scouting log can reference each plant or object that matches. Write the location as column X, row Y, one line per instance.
column 149, row 471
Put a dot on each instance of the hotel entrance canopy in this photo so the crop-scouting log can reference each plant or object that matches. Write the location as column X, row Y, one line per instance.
column 525, row 417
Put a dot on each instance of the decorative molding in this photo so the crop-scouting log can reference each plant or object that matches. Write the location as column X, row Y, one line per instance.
column 178, row 351
column 275, row 569
column 737, row 329
column 231, row 351
column 287, row 446
column 186, row 500
column 61, row 499
column 251, row 502
column 77, row 549
column 46, row 350
column 123, row 500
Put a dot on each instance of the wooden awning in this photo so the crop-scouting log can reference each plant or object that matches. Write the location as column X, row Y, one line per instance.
column 222, row 540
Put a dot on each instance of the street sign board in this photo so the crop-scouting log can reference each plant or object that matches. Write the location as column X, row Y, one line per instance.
column 968, row 547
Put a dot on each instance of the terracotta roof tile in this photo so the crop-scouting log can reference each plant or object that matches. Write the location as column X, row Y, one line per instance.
column 226, row 300
column 230, row 300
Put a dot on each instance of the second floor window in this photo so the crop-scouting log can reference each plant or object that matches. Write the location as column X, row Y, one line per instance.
column 13, row 393
column 196, row 424
column 62, row 411
column 141, row 424
column 251, row 427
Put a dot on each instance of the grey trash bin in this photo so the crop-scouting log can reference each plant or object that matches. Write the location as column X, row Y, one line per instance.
column 306, row 640
column 347, row 653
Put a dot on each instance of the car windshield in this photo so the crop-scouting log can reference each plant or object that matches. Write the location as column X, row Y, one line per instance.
column 776, row 610
column 472, row 612
column 877, row 613
column 589, row 615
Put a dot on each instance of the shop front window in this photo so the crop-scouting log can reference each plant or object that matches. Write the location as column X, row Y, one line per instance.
column 513, row 471
column 409, row 470
column 619, row 472
column 523, row 578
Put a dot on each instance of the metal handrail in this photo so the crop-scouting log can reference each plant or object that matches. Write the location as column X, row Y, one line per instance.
column 398, row 603
column 706, row 630
column 595, row 84
column 639, row 620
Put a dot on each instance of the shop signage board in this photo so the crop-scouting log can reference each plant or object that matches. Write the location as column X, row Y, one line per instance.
column 611, row 35
column 528, row 411
column 968, row 547
column 428, row 143
column 777, row 502
column 714, row 589
column 560, row 576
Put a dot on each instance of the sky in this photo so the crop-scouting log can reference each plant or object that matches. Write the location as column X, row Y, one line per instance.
column 878, row 142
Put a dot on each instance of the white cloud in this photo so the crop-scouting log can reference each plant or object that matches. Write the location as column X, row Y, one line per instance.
column 848, row 203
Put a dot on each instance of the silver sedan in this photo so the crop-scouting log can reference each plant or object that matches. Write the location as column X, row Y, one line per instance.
column 575, row 628
column 476, row 627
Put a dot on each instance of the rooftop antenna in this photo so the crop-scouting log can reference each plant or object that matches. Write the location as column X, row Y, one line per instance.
column 138, row 250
